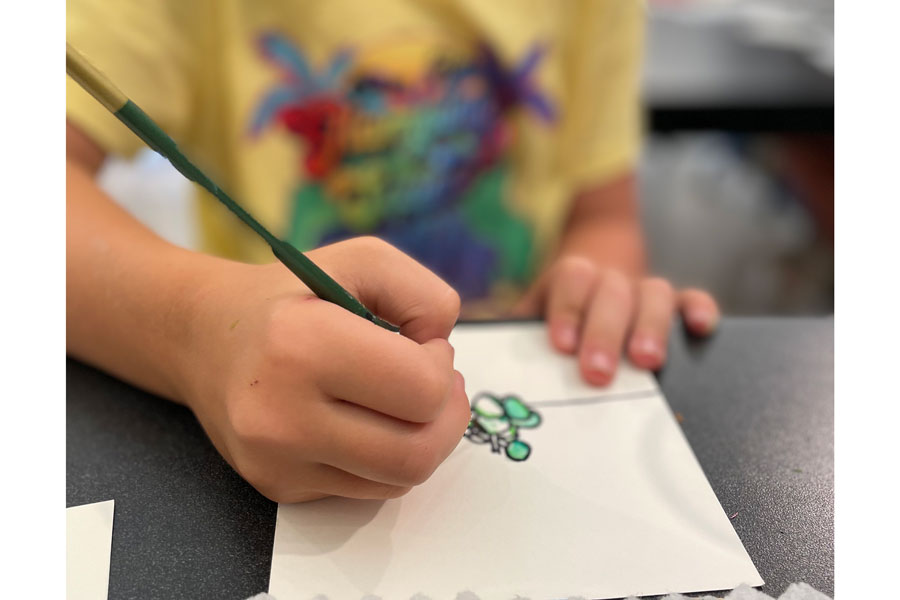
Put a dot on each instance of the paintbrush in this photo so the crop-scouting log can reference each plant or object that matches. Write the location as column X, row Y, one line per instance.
column 317, row 280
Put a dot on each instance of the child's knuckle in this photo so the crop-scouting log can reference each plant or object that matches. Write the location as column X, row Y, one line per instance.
column 576, row 267
column 434, row 387
column 371, row 244
column 614, row 283
column 659, row 285
column 448, row 301
column 417, row 463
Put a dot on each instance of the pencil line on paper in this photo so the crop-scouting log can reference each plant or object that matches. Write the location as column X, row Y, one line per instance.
column 612, row 397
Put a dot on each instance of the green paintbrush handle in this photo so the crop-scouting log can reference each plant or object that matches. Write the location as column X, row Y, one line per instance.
column 146, row 129
column 317, row 280
column 321, row 284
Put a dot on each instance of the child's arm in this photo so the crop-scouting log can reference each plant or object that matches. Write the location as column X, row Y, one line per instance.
column 595, row 296
column 303, row 398
column 128, row 293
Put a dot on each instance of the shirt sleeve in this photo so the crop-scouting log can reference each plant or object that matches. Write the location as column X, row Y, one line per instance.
column 603, row 122
column 144, row 49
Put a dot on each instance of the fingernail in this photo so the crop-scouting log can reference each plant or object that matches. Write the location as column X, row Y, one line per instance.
column 566, row 337
column 600, row 362
column 701, row 319
column 646, row 346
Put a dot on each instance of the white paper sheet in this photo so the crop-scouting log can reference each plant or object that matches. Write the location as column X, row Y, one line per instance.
column 88, row 544
column 610, row 502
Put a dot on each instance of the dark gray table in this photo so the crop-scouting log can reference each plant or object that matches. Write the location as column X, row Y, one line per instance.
column 756, row 404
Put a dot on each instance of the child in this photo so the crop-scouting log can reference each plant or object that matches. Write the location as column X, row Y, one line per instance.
column 493, row 142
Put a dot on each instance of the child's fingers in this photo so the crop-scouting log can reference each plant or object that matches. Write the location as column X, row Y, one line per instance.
column 606, row 322
column 379, row 448
column 335, row 482
column 395, row 287
column 655, row 307
column 530, row 304
column 569, row 291
column 533, row 302
column 377, row 369
column 320, row 480
column 699, row 311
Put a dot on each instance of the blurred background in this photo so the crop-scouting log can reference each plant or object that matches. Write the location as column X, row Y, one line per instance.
column 738, row 170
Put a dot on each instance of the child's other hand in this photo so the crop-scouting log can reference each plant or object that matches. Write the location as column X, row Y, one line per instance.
column 600, row 313
column 306, row 399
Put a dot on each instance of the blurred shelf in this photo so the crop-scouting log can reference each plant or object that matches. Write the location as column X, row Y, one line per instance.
column 743, row 119
column 710, row 70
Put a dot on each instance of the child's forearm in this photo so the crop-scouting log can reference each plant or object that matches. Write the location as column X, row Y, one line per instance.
column 129, row 294
column 604, row 226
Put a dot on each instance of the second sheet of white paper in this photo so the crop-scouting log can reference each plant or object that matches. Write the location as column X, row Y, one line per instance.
column 611, row 502
column 89, row 530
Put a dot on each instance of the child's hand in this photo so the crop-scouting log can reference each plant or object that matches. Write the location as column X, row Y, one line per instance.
column 599, row 313
column 306, row 399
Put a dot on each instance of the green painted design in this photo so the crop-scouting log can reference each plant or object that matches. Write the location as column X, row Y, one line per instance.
column 531, row 421
column 515, row 408
column 518, row 450
column 497, row 421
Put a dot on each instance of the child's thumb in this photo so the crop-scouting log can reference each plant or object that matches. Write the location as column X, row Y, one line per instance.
column 393, row 286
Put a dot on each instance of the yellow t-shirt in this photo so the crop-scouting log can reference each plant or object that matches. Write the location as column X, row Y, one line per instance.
column 458, row 130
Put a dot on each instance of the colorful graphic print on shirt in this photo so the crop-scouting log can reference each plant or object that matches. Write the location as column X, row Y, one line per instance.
column 420, row 164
